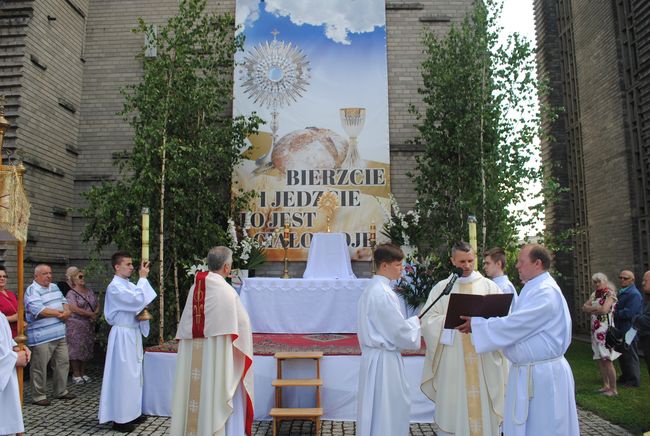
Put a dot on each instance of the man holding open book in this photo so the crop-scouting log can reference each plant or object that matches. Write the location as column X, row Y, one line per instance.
column 468, row 388
column 534, row 337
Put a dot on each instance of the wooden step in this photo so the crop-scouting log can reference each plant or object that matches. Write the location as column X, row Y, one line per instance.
column 286, row 412
column 297, row 382
column 299, row 355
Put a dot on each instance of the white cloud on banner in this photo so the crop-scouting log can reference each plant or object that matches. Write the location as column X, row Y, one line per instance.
column 247, row 12
column 340, row 17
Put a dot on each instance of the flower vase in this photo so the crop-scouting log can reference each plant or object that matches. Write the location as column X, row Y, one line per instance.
column 243, row 274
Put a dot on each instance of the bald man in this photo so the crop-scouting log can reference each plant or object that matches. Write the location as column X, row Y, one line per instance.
column 46, row 310
column 642, row 322
column 629, row 306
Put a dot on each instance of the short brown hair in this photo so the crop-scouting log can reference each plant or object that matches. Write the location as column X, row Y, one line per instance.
column 387, row 253
column 461, row 246
column 117, row 257
column 541, row 253
column 497, row 254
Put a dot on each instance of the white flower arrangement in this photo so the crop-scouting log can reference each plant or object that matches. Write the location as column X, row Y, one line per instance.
column 398, row 226
column 200, row 266
column 248, row 251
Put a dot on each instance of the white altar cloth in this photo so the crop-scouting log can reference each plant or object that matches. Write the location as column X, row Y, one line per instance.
column 329, row 257
column 302, row 305
column 340, row 376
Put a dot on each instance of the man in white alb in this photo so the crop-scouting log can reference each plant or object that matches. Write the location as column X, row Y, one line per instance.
column 494, row 265
column 540, row 399
column 121, row 396
column 384, row 399
column 468, row 389
column 11, row 417
column 213, row 387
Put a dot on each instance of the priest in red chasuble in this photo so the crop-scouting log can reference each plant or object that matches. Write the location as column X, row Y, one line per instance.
column 213, row 387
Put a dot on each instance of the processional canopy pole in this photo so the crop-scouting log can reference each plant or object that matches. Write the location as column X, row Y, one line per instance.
column 14, row 219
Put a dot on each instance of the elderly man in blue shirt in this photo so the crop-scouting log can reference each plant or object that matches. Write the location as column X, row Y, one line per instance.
column 46, row 310
column 629, row 305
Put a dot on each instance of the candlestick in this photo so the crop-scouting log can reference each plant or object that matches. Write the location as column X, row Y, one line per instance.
column 285, row 245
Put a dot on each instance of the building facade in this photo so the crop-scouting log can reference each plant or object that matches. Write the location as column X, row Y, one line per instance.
column 596, row 57
column 62, row 67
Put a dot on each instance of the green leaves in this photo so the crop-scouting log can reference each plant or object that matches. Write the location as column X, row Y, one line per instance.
column 478, row 125
column 179, row 109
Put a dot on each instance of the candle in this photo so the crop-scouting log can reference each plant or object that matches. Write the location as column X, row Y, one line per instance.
column 145, row 234
column 471, row 221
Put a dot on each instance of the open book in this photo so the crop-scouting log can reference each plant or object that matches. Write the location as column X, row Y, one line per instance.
column 486, row 306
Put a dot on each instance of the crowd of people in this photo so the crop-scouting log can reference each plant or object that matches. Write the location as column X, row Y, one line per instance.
column 60, row 333
column 624, row 310
column 487, row 376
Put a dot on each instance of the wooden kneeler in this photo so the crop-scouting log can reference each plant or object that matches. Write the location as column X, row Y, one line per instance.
column 280, row 413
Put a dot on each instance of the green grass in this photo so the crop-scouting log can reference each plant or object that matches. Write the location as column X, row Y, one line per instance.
column 629, row 410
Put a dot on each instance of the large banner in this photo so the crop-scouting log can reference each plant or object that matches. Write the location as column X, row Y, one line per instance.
column 316, row 73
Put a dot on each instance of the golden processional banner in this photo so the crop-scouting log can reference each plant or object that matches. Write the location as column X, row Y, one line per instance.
column 316, row 72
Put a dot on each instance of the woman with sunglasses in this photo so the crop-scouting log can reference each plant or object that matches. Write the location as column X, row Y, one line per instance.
column 80, row 327
column 8, row 302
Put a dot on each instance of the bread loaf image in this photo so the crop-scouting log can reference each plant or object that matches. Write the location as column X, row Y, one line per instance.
column 312, row 147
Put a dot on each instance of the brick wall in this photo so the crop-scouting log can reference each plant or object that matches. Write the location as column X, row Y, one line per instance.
column 593, row 70
column 47, row 125
column 110, row 65
column 606, row 165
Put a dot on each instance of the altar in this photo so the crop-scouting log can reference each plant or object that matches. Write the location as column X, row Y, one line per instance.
column 340, row 374
column 302, row 305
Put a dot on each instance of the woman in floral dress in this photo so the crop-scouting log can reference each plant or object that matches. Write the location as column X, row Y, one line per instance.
column 601, row 305
column 80, row 327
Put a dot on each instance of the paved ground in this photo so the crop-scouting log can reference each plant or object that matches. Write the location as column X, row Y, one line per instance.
column 79, row 417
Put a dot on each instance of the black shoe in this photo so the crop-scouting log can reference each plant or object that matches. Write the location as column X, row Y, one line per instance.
column 127, row 427
column 43, row 402
column 139, row 420
column 67, row 396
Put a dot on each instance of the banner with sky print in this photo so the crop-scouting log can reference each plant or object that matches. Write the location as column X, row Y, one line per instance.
column 316, row 73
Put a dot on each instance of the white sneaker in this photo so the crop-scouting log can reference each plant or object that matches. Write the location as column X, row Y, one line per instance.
column 86, row 379
column 77, row 380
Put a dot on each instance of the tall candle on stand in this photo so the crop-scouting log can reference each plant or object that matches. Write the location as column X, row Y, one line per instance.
column 145, row 234
column 145, row 315
column 373, row 240
column 471, row 221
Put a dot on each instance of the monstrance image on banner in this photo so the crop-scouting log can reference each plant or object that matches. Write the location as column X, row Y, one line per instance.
column 319, row 81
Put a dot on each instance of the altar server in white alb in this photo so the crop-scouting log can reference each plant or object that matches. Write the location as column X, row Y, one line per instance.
column 384, row 399
column 11, row 417
column 121, row 396
column 540, row 397
column 494, row 265
column 213, row 387
column 468, row 389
